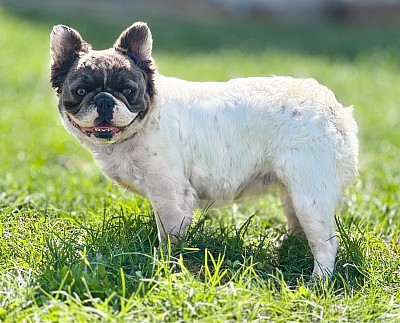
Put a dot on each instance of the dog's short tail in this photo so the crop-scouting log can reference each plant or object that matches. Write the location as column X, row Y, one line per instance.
column 348, row 148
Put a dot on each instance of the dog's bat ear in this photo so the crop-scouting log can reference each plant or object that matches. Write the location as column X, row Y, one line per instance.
column 66, row 45
column 135, row 41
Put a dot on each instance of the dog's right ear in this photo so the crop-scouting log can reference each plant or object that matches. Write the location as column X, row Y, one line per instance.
column 65, row 46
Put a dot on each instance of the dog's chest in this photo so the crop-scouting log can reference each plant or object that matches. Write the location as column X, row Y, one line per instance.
column 123, row 165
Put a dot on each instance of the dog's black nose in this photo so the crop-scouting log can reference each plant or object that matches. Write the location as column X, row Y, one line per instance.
column 104, row 102
column 105, row 107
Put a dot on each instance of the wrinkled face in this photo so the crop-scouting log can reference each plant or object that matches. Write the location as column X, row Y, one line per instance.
column 103, row 95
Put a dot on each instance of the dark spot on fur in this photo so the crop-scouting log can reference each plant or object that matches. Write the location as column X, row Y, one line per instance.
column 295, row 113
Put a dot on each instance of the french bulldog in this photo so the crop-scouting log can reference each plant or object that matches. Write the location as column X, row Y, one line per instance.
column 182, row 144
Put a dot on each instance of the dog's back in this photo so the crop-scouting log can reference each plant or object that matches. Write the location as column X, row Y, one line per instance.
column 232, row 135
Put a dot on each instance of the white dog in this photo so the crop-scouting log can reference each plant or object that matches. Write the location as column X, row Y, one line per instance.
column 182, row 144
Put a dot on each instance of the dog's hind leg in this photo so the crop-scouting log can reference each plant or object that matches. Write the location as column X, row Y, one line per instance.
column 311, row 180
column 316, row 216
column 293, row 224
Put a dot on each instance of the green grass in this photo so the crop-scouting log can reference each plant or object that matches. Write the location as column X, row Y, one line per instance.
column 74, row 247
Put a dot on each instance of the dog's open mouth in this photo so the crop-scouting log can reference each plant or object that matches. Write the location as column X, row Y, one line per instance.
column 104, row 130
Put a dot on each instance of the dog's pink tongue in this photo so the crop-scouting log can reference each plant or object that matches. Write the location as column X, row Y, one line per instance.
column 105, row 126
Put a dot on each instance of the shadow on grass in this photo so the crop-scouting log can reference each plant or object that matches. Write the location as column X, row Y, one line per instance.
column 188, row 36
column 121, row 256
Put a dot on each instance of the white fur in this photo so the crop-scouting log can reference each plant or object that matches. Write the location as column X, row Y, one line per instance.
column 121, row 117
column 224, row 141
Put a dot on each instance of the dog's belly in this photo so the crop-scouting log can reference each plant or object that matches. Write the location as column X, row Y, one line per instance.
column 234, row 185
column 214, row 197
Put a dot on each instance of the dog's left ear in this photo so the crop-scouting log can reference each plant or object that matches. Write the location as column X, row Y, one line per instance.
column 66, row 45
column 135, row 41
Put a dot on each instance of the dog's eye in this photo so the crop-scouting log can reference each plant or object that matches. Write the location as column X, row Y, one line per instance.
column 127, row 91
column 81, row 92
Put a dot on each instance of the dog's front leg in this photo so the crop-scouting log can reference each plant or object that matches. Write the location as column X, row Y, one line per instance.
column 173, row 209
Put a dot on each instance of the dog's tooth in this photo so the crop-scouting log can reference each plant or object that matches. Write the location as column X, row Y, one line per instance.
column 103, row 129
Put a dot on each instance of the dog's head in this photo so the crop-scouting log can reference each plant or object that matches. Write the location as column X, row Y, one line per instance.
column 103, row 95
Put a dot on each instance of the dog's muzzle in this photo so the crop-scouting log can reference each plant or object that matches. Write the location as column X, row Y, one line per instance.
column 104, row 103
column 103, row 130
column 105, row 124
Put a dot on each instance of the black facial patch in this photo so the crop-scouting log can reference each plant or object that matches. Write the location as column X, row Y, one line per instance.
column 71, row 106
column 111, row 72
